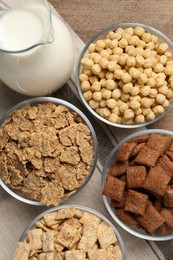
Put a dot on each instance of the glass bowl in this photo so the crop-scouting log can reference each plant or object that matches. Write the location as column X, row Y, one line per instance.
column 38, row 100
column 100, row 35
column 82, row 209
column 107, row 201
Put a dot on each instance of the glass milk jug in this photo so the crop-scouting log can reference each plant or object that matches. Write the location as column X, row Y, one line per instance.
column 36, row 49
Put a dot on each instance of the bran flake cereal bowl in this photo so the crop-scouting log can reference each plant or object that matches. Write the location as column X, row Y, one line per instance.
column 125, row 75
column 139, row 170
column 63, row 232
column 48, row 151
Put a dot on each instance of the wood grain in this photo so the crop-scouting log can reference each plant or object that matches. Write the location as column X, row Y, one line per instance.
column 88, row 17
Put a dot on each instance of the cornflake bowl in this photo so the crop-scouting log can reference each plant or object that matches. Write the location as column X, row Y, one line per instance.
column 110, row 161
column 17, row 194
column 95, row 103
column 82, row 210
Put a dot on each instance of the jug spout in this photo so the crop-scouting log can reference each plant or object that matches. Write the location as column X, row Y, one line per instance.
column 24, row 25
column 49, row 35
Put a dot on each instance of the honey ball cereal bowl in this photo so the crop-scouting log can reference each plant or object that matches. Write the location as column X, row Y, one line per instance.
column 63, row 232
column 48, row 151
column 124, row 75
column 139, row 170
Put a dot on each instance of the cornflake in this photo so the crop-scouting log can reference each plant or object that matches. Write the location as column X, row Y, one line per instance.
column 78, row 235
column 46, row 152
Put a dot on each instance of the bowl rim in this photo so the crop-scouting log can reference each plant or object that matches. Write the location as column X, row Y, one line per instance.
column 56, row 101
column 83, row 208
column 126, row 227
column 78, row 66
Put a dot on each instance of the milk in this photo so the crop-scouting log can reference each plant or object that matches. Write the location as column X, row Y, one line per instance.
column 19, row 29
column 40, row 70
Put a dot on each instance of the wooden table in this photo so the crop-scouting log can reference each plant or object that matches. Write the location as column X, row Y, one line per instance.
column 86, row 18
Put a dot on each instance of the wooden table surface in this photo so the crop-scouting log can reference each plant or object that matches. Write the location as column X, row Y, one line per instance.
column 88, row 17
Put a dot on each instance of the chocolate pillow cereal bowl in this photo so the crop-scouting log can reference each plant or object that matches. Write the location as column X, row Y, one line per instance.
column 48, row 151
column 63, row 231
column 125, row 75
column 137, row 184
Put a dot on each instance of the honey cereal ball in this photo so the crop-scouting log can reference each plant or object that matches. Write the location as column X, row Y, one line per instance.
column 93, row 78
column 99, row 45
column 158, row 110
column 91, row 47
column 148, row 72
column 165, row 104
column 103, row 82
column 111, row 65
column 96, row 69
column 139, row 60
column 103, row 103
column 151, row 82
column 116, row 110
column 139, row 119
column 97, row 96
column 129, row 114
column 160, row 99
column 150, row 116
column 96, row 57
column 87, row 63
column 85, row 85
column 137, row 98
column 135, row 91
column 104, row 54
column 142, row 78
column 103, row 62
column 163, row 47
column 127, row 88
column 153, row 93
column 106, row 94
column 139, row 31
column 116, row 94
column 146, row 111
column 147, row 53
column 127, row 76
column 87, row 72
column 169, row 94
column 111, row 103
column 163, row 90
column 118, row 73
column 125, row 96
column 138, row 111
column 105, row 112
column 131, row 61
column 122, row 59
column 123, row 107
column 83, row 77
column 88, row 95
column 134, row 72
column 147, row 102
column 145, row 91
column 109, row 75
column 113, row 118
column 110, row 84
column 96, row 86
column 93, row 104
column 134, row 104
column 168, row 70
